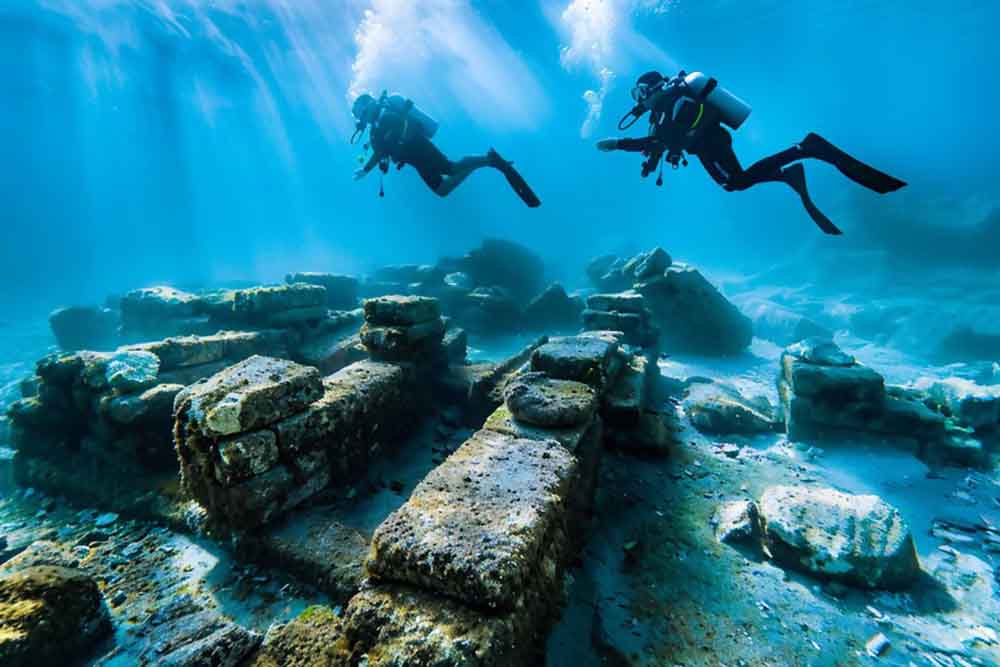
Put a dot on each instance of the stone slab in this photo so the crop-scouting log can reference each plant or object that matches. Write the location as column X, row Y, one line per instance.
column 397, row 310
column 251, row 394
column 485, row 526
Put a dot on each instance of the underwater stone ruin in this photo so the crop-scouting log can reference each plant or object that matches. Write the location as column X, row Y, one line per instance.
column 271, row 439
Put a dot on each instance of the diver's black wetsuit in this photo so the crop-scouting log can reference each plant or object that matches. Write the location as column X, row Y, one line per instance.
column 394, row 138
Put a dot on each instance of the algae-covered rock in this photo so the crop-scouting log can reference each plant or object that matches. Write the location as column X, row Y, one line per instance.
column 247, row 454
column 308, row 640
column 131, row 371
column 246, row 396
column 535, row 398
column 398, row 626
column 401, row 311
column 49, row 616
column 861, row 540
column 266, row 301
column 486, row 527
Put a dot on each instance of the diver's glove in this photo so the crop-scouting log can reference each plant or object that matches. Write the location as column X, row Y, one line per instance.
column 360, row 173
column 607, row 145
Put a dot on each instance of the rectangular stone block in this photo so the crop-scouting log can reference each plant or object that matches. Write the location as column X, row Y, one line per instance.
column 397, row 625
column 622, row 302
column 589, row 359
column 259, row 301
column 626, row 399
column 185, row 351
column 397, row 310
column 244, row 397
column 844, row 383
column 361, row 404
column 416, row 342
column 245, row 455
column 484, row 527
column 330, row 352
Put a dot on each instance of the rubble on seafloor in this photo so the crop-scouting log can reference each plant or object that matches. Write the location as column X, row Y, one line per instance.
column 274, row 430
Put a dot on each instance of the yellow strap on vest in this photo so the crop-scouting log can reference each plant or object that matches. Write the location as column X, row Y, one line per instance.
column 701, row 111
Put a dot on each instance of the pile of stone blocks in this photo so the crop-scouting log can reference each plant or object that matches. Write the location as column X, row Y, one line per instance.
column 694, row 316
column 94, row 420
column 265, row 435
column 341, row 290
column 405, row 329
column 685, row 310
column 825, row 392
column 470, row 569
column 624, row 311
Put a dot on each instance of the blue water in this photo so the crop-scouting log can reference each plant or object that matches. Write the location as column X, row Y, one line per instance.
column 194, row 140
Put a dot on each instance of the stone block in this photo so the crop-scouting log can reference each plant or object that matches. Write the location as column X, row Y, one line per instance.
column 484, row 527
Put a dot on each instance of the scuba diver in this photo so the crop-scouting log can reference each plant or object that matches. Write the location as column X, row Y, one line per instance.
column 401, row 133
column 686, row 115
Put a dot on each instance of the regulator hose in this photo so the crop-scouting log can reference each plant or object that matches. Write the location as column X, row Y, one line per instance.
column 636, row 112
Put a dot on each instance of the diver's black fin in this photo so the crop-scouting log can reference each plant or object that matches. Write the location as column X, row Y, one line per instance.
column 795, row 176
column 817, row 147
column 521, row 187
column 515, row 179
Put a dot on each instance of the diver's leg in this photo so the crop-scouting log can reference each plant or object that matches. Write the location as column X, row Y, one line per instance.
column 720, row 161
column 815, row 146
column 460, row 171
column 715, row 151
column 795, row 177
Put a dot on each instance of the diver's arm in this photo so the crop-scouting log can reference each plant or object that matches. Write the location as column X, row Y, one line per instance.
column 363, row 171
column 630, row 145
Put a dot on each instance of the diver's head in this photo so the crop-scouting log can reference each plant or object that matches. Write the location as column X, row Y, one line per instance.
column 646, row 85
column 363, row 105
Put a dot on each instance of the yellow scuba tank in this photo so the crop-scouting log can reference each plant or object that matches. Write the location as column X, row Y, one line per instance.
column 732, row 110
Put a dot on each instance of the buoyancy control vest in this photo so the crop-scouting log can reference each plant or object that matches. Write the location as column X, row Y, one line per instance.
column 416, row 120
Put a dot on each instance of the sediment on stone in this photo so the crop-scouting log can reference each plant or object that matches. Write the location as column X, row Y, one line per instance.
column 485, row 526
column 390, row 625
